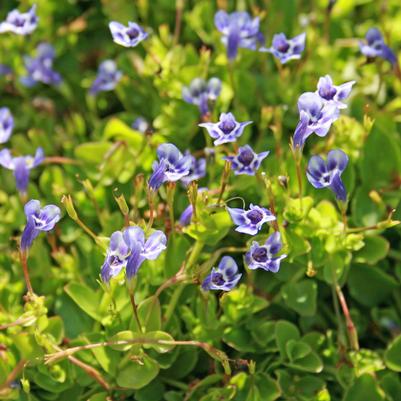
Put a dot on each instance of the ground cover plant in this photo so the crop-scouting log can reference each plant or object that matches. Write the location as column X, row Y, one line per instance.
column 199, row 200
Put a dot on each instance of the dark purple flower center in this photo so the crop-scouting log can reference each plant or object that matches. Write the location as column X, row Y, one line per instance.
column 114, row 260
column 132, row 33
column 227, row 126
column 255, row 216
column 327, row 92
column 282, row 46
column 260, row 255
column 19, row 22
column 246, row 157
column 217, row 279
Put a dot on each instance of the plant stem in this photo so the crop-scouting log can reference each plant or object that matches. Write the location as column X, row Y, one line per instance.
column 134, row 307
column 170, row 202
column 224, row 179
column 179, row 6
column 24, row 263
column 352, row 333
column 297, row 155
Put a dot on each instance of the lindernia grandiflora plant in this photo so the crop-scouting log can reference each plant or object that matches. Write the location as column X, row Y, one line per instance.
column 227, row 208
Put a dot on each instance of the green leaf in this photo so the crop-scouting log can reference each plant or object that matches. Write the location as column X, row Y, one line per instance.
column 293, row 211
column 375, row 249
column 138, row 373
column 301, row 296
column 125, row 335
column 87, row 299
column 284, row 332
column 364, row 388
column 56, row 328
column 117, row 129
column 27, row 346
column 149, row 312
column 159, row 336
column 297, row 350
column 370, row 285
column 92, row 152
column 392, row 356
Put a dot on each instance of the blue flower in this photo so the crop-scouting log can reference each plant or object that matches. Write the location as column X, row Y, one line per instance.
column 265, row 256
column 332, row 93
column 250, row 221
column 107, row 77
column 316, row 116
column 38, row 220
column 127, row 36
column 239, row 30
column 202, row 93
column 21, row 166
column 140, row 124
column 375, row 47
column 197, row 169
column 246, row 161
column 40, row 68
column 20, row 23
column 186, row 216
column 6, row 124
column 172, row 166
column 129, row 249
column 322, row 175
column 226, row 130
column 286, row 49
column 224, row 278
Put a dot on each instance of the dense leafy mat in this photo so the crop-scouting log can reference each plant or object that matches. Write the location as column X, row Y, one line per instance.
column 313, row 314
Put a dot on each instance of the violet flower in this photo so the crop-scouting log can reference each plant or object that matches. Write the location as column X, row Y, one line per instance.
column 127, row 36
column 38, row 219
column 375, row 47
column 323, row 174
column 202, row 93
column 286, row 49
column 6, row 124
column 140, row 124
column 40, row 68
column 21, row 166
column 224, row 278
column 334, row 94
column 265, row 256
column 20, row 23
column 239, row 30
column 316, row 116
column 186, row 216
column 228, row 129
column 107, row 77
column 129, row 249
column 246, row 161
column 172, row 166
column 197, row 169
column 250, row 221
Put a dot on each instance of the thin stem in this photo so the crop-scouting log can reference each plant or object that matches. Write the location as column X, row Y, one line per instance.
column 151, row 209
column 133, row 303
column 297, row 155
column 196, row 251
column 60, row 160
column 13, row 375
column 24, row 263
column 179, row 6
column 86, row 228
column 224, row 179
column 352, row 333
column 270, row 196
column 170, row 202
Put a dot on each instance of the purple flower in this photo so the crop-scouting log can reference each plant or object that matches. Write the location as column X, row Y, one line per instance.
column 239, row 30
column 21, row 166
column 172, row 166
column 6, row 124
column 226, row 130
column 332, row 93
column 38, row 220
column 246, row 161
column 286, row 49
column 20, row 23
column 265, row 256
column 40, row 68
column 316, row 116
column 129, row 249
column 197, row 169
column 140, row 124
column 224, row 278
column 250, row 221
column 201, row 93
column 322, row 175
column 375, row 47
column 186, row 216
column 127, row 36
column 107, row 77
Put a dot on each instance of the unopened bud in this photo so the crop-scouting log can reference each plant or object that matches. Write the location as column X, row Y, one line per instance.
column 121, row 202
column 68, row 203
column 375, row 196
